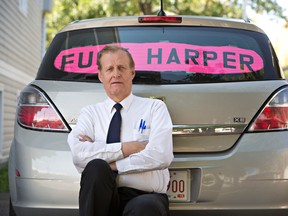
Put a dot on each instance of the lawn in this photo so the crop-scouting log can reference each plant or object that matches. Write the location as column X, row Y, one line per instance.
column 4, row 178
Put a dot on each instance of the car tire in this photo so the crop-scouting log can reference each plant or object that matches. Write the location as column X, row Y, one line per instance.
column 11, row 209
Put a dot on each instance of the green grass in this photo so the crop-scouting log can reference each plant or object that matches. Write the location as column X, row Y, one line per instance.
column 286, row 72
column 4, row 178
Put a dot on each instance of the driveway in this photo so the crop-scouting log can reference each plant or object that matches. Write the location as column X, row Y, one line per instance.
column 4, row 204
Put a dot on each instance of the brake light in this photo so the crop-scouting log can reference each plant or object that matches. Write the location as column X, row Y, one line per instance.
column 160, row 19
column 35, row 112
column 274, row 116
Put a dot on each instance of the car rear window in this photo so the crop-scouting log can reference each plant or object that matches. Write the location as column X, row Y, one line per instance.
column 165, row 54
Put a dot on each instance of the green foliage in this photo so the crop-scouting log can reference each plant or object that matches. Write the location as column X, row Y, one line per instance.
column 66, row 11
column 268, row 6
column 4, row 186
column 286, row 72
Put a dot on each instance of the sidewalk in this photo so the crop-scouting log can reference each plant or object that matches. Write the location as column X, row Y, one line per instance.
column 4, row 204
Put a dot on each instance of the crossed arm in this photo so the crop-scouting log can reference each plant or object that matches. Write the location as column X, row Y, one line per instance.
column 127, row 149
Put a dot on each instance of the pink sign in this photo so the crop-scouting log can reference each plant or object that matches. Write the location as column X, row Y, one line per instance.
column 165, row 56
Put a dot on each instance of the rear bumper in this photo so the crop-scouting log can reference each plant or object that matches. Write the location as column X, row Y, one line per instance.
column 236, row 212
column 46, row 197
column 60, row 198
column 249, row 178
column 26, row 211
column 253, row 175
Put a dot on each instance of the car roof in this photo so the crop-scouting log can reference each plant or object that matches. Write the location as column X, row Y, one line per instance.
column 186, row 21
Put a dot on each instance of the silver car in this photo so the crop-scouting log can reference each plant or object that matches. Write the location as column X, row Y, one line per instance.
column 224, row 89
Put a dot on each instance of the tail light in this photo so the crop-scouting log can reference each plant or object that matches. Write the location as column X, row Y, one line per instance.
column 274, row 116
column 35, row 112
column 160, row 19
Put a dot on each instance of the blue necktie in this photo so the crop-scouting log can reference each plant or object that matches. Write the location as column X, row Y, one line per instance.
column 113, row 134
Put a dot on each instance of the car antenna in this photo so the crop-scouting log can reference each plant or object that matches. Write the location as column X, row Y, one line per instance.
column 161, row 12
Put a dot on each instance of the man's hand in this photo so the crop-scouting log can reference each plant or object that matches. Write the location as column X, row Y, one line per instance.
column 84, row 138
column 113, row 166
column 129, row 148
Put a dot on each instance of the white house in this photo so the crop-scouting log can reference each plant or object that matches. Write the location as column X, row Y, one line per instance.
column 22, row 44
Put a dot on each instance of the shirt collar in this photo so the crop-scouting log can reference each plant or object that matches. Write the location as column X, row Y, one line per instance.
column 109, row 103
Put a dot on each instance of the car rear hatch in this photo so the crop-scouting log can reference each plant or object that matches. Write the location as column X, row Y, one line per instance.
column 214, row 76
column 206, row 117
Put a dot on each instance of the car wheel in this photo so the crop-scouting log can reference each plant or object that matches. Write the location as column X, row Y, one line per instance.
column 11, row 209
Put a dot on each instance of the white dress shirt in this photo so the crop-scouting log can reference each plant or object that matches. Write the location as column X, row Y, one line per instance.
column 143, row 119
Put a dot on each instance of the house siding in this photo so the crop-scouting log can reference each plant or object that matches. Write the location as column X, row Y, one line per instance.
column 20, row 56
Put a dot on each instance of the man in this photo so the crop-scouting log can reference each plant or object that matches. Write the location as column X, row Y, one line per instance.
column 128, row 176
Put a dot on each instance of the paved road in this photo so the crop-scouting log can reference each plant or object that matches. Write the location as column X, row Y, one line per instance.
column 4, row 204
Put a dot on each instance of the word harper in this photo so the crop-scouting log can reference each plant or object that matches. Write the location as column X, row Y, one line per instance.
column 168, row 57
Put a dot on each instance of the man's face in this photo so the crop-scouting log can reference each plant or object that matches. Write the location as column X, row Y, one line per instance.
column 116, row 75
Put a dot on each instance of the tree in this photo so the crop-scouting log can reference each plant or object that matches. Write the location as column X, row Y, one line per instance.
column 66, row 11
column 268, row 6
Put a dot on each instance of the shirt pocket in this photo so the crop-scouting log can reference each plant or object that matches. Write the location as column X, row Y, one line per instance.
column 139, row 135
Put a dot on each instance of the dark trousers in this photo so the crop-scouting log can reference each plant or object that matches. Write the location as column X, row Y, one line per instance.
column 100, row 196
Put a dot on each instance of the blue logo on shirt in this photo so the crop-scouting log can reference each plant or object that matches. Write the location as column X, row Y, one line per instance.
column 142, row 126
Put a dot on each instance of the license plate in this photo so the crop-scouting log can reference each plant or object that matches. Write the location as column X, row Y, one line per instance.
column 179, row 186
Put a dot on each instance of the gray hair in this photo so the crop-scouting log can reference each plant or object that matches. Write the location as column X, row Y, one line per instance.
column 113, row 49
